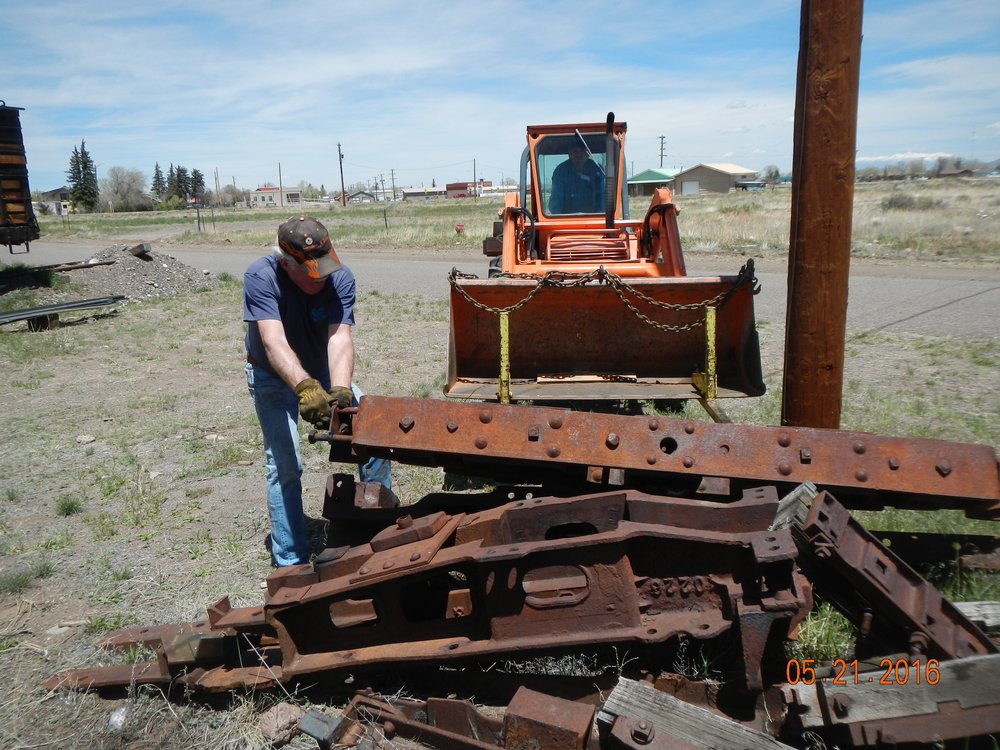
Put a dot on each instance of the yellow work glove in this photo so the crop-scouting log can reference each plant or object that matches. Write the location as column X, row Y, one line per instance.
column 341, row 396
column 314, row 403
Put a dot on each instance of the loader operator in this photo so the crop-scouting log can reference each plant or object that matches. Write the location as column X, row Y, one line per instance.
column 577, row 184
column 298, row 303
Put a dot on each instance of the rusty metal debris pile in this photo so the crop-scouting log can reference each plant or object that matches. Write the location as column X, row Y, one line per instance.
column 653, row 536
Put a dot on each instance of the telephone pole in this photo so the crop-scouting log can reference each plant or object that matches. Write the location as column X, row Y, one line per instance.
column 663, row 138
column 392, row 176
column 343, row 193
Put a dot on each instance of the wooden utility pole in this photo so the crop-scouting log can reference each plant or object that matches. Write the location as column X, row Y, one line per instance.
column 343, row 194
column 819, row 254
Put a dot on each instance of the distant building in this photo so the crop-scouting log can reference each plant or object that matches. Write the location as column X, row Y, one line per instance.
column 644, row 183
column 57, row 200
column 466, row 189
column 955, row 173
column 272, row 197
column 422, row 193
column 359, row 197
column 712, row 178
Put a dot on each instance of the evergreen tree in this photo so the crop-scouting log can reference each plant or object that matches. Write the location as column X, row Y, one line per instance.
column 183, row 182
column 159, row 186
column 171, row 181
column 82, row 177
column 197, row 184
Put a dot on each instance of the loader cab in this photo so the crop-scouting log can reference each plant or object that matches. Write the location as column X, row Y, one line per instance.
column 572, row 173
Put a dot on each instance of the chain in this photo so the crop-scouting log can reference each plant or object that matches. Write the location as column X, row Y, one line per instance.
column 552, row 278
column 620, row 286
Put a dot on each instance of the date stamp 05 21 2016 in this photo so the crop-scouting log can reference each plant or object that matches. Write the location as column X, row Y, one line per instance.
column 843, row 672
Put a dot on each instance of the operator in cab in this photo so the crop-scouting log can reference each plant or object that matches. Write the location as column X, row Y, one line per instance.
column 577, row 184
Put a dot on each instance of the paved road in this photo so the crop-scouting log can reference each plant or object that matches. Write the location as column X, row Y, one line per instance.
column 936, row 301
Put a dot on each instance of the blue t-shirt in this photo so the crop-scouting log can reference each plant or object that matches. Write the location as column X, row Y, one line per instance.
column 269, row 294
column 577, row 192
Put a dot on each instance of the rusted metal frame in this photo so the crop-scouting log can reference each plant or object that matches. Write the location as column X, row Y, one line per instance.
column 867, row 711
column 503, row 588
column 534, row 575
column 866, row 470
column 532, row 719
column 439, row 723
column 894, row 608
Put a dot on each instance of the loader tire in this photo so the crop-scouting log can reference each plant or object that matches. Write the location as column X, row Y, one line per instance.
column 494, row 270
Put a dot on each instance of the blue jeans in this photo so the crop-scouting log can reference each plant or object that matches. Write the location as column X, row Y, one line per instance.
column 277, row 409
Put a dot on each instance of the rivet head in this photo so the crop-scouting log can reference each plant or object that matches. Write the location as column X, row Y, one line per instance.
column 387, row 564
column 553, row 451
column 858, row 448
column 784, row 441
column 451, row 427
column 406, row 423
column 481, row 442
column 404, row 522
column 611, row 440
column 654, row 425
column 414, row 557
column 485, row 417
column 893, row 464
column 689, row 428
column 784, row 468
column 650, row 460
column 363, row 570
column 688, row 462
column 861, row 475
column 943, row 467
column 555, row 422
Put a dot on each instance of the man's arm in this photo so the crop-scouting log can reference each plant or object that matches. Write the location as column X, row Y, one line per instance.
column 340, row 355
column 279, row 354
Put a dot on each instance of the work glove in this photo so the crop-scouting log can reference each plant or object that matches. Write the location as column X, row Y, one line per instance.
column 314, row 403
column 341, row 396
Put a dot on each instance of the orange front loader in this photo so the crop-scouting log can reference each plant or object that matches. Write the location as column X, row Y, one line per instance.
column 584, row 304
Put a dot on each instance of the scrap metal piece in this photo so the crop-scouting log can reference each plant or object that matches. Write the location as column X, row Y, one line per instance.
column 441, row 723
column 541, row 575
column 961, row 699
column 496, row 439
column 535, row 720
column 534, row 576
column 857, row 574
column 636, row 716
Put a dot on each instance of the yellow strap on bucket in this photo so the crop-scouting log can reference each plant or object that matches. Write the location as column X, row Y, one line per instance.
column 504, row 392
column 707, row 382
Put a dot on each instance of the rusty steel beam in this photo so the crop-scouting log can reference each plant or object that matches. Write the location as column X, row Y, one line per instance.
column 539, row 575
column 819, row 253
column 535, row 443
column 894, row 608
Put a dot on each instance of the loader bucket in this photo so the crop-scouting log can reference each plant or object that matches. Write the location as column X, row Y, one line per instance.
column 584, row 343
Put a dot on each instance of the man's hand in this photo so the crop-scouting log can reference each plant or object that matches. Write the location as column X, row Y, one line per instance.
column 341, row 396
column 314, row 404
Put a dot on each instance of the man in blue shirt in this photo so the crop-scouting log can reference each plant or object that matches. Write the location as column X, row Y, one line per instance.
column 577, row 184
column 298, row 304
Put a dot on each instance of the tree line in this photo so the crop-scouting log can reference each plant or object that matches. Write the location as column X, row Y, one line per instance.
column 122, row 189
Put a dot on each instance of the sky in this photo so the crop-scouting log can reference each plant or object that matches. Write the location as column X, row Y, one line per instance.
column 417, row 91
